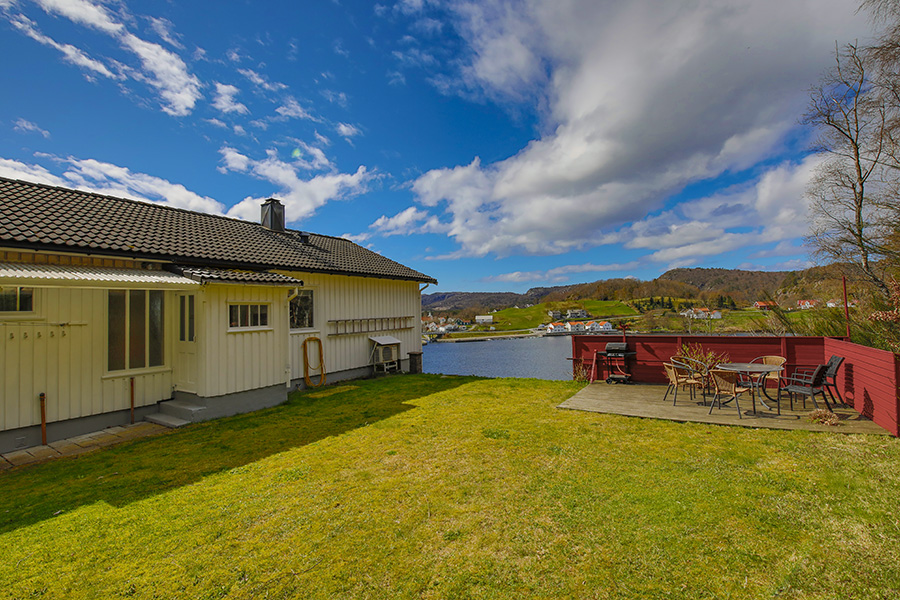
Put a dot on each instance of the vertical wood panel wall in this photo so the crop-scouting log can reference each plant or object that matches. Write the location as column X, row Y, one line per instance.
column 869, row 380
column 343, row 297
column 68, row 363
column 233, row 360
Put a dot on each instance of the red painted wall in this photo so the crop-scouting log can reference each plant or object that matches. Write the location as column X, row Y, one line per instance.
column 869, row 379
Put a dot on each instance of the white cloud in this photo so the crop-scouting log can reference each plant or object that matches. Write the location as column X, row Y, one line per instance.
column 637, row 100
column 292, row 109
column 559, row 274
column 225, row 102
column 161, row 69
column 106, row 178
column 24, row 126
column 261, row 81
column 70, row 53
column 347, row 131
column 166, row 31
column 301, row 197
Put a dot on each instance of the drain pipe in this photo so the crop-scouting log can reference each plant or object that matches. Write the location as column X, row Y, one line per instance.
column 43, row 398
column 132, row 400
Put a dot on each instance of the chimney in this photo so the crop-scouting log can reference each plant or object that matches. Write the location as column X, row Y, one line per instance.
column 303, row 236
column 273, row 215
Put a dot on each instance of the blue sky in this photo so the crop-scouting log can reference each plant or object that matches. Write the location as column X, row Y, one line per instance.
column 494, row 145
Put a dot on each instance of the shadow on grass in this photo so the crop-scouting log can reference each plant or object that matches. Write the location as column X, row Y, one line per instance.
column 136, row 470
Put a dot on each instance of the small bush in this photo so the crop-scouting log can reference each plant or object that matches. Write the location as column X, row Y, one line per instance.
column 824, row 416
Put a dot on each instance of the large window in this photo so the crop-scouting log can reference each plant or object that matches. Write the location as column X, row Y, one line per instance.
column 243, row 316
column 136, row 329
column 302, row 310
column 16, row 299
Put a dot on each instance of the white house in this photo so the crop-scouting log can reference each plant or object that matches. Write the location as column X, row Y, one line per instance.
column 598, row 326
column 556, row 327
column 575, row 326
column 577, row 313
column 701, row 313
column 110, row 307
column 807, row 304
column 484, row 319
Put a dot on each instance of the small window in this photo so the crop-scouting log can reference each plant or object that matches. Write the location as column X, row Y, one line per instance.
column 248, row 315
column 302, row 310
column 16, row 299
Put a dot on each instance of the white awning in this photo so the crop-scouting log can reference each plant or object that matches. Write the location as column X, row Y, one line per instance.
column 384, row 340
column 29, row 275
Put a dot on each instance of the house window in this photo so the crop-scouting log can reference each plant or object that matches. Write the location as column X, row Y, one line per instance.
column 16, row 299
column 135, row 333
column 241, row 316
column 302, row 310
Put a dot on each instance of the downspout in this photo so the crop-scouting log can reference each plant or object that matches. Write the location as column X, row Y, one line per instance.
column 294, row 293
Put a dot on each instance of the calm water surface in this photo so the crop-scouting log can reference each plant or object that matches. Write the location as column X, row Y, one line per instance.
column 538, row 357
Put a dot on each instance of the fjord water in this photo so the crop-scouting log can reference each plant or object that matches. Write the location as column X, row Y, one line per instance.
column 536, row 357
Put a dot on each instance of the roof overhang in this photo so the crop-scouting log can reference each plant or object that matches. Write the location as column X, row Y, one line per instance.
column 234, row 276
column 31, row 275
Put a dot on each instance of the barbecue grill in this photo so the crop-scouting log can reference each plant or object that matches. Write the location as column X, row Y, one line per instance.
column 614, row 361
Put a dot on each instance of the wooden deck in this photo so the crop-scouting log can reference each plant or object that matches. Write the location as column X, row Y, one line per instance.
column 644, row 400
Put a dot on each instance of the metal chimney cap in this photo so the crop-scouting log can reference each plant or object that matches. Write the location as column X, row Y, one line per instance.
column 272, row 214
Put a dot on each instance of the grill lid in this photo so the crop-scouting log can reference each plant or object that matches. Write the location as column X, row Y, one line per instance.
column 616, row 347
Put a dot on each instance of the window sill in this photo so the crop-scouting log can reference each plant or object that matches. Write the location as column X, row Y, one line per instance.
column 248, row 329
column 304, row 331
column 136, row 372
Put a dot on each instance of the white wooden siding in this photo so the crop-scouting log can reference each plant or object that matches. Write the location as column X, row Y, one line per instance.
column 68, row 363
column 344, row 297
column 234, row 360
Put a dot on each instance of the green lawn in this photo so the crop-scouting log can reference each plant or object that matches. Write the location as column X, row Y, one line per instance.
column 529, row 318
column 456, row 487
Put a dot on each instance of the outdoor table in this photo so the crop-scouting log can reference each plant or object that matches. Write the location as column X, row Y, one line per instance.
column 753, row 369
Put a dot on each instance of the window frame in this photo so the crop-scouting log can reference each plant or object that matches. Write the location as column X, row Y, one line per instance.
column 154, row 332
column 17, row 312
column 249, row 314
column 314, row 325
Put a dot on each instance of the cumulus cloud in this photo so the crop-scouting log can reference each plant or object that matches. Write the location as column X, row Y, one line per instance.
column 225, row 102
column 637, row 100
column 301, row 197
column 347, row 131
column 159, row 68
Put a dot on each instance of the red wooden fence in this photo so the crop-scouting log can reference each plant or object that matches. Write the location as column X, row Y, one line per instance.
column 868, row 378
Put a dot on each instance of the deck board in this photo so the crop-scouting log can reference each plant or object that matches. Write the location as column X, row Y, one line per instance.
column 646, row 400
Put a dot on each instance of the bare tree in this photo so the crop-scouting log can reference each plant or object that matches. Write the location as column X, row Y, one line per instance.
column 852, row 208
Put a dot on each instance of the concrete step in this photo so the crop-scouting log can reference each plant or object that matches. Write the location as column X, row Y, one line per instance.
column 166, row 420
column 182, row 409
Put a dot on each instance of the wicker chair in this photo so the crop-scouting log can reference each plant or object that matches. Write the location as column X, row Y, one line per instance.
column 698, row 369
column 727, row 383
column 680, row 376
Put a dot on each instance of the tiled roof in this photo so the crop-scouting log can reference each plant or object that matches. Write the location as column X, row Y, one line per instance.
column 207, row 274
column 40, row 216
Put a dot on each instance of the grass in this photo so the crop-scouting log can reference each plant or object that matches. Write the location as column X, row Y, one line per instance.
column 529, row 318
column 455, row 487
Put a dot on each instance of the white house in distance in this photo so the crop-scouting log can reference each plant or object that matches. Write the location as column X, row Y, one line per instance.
column 574, row 326
column 807, row 304
column 598, row 326
column 108, row 304
column 556, row 327
column 484, row 319
column 701, row 313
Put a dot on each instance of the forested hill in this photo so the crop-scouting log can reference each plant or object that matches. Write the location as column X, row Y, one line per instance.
column 729, row 281
column 744, row 287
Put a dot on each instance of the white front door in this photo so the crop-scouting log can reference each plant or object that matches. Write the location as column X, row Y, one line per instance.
column 185, row 344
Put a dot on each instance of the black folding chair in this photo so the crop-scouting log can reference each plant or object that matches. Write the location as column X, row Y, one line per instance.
column 807, row 384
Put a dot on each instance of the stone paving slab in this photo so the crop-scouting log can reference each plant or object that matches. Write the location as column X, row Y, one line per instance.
column 644, row 400
column 79, row 444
